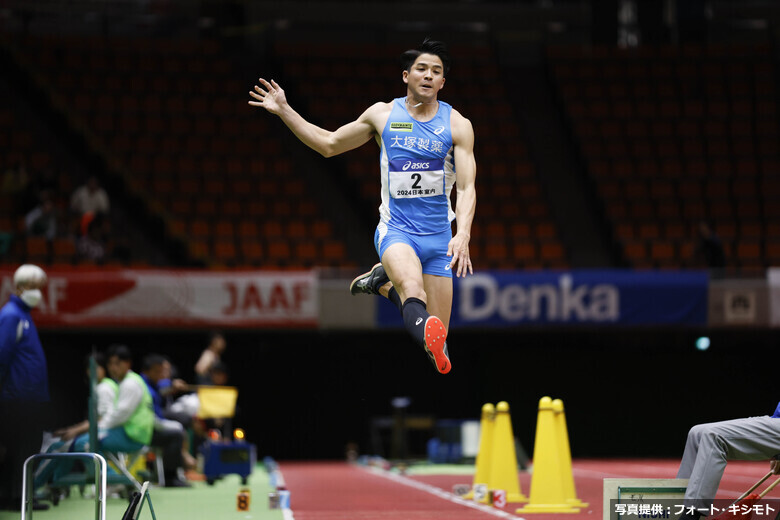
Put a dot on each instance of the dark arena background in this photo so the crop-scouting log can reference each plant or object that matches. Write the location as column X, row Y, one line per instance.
column 306, row 395
column 625, row 242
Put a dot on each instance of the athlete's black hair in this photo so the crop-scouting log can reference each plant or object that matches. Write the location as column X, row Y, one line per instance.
column 428, row 46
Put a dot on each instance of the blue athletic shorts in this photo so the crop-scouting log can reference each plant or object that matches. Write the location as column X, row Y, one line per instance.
column 430, row 249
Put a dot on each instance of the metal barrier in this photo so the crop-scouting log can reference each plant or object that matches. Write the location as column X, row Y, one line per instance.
column 28, row 491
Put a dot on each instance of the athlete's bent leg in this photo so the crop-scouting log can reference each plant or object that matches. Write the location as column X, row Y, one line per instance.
column 405, row 272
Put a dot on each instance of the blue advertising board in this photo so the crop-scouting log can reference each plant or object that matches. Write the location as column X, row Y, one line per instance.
column 592, row 297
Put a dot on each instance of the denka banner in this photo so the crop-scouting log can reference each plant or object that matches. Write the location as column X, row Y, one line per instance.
column 175, row 298
column 576, row 297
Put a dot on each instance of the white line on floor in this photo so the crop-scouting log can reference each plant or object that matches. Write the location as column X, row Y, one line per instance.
column 433, row 490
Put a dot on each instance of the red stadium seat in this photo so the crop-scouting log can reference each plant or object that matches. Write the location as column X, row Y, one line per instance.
column 200, row 228
column 273, row 229
column 37, row 249
column 635, row 251
column 64, row 250
column 224, row 229
column 296, row 230
column 279, row 250
column 495, row 250
column 321, row 229
column 252, row 251
column 662, row 251
column 334, row 251
column 307, row 252
column 199, row 248
column 523, row 252
column 551, row 251
column 248, row 229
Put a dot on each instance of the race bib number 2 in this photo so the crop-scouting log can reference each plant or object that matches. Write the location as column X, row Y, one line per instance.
column 412, row 179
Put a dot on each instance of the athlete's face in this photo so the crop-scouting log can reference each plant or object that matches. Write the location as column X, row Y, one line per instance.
column 426, row 77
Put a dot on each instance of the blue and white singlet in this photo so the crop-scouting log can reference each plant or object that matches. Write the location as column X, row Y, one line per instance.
column 418, row 171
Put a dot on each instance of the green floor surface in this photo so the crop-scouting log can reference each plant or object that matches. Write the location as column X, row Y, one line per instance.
column 199, row 502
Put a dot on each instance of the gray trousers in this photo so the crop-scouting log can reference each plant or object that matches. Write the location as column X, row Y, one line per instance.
column 710, row 446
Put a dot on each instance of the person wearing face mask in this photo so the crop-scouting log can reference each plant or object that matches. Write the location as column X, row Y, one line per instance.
column 24, row 383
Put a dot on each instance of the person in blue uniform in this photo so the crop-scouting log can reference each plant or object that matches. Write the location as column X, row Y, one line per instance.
column 24, row 383
column 426, row 148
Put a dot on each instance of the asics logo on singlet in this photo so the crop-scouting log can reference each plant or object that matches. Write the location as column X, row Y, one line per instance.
column 411, row 165
column 438, row 130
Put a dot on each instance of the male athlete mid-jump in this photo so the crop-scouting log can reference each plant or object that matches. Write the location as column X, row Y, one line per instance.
column 426, row 147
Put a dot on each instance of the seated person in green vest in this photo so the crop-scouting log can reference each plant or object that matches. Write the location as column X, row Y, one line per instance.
column 126, row 427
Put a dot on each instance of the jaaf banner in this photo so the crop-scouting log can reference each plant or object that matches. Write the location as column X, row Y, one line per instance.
column 152, row 298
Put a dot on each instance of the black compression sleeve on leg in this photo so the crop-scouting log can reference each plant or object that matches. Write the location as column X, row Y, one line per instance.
column 415, row 314
column 393, row 296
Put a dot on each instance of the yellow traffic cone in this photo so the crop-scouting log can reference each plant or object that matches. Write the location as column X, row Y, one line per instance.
column 547, row 490
column 564, row 450
column 482, row 471
column 503, row 460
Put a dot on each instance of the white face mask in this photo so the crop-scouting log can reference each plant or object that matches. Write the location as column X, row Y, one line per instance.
column 32, row 297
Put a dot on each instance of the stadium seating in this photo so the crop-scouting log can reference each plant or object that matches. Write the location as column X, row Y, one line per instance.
column 184, row 141
column 170, row 117
column 671, row 136
column 21, row 161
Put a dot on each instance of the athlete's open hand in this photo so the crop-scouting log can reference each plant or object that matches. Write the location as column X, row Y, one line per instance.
column 458, row 249
column 270, row 96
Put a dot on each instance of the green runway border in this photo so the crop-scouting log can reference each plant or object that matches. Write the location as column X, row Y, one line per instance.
column 201, row 501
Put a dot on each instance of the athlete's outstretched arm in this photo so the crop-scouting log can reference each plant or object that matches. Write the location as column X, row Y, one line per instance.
column 271, row 97
column 465, row 177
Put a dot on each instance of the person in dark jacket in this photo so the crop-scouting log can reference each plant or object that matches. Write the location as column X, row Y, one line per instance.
column 24, row 383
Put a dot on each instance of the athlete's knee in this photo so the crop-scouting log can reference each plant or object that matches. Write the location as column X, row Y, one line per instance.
column 411, row 289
